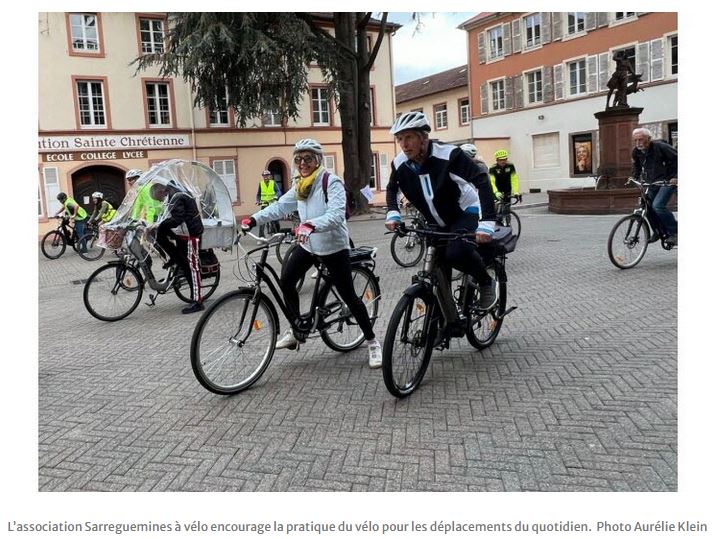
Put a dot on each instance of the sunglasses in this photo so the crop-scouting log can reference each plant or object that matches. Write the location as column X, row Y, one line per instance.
column 307, row 159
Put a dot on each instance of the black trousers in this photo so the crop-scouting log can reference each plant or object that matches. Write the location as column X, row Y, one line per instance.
column 464, row 256
column 300, row 261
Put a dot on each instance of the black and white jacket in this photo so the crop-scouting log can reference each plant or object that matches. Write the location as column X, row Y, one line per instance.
column 447, row 185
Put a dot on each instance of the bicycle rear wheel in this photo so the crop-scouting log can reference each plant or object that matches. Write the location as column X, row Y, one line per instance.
column 628, row 241
column 112, row 292
column 53, row 245
column 407, row 249
column 408, row 344
column 343, row 333
column 94, row 251
column 483, row 327
column 209, row 284
column 233, row 342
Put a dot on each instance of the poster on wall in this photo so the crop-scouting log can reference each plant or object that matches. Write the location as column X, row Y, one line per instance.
column 582, row 154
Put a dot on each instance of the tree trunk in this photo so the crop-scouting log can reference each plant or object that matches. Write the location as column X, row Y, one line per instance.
column 363, row 120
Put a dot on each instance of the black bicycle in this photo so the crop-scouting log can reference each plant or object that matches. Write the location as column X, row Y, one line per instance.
column 234, row 341
column 55, row 242
column 407, row 247
column 506, row 216
column 430, row 313
column 272, row 227
column 632, row 234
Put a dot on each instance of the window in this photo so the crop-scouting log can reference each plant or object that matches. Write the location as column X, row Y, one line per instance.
column 373, row 169
column 329, row 162
column 577, row 77
column 83, row 29
column 227, row 172
column 319, row 106
column 674, row 54
column 630, row 54
column 497, row 90
column 158, row 113
column 545, row 150
column 372, row 105
column 464, row 105
column 623, row 15
column 494, row 43
column 534, row 86
column 440, row 116
column 219, row 113
column 90, row 103
column 532, row 32
column 271, row 119
column 151, row 33
column 575, row 22
column 52, row 187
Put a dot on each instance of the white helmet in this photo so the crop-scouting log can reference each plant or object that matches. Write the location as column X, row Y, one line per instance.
column 308, row 145
column 411, row 120
column 133, row 173
column 97, row 194
column 470, row 150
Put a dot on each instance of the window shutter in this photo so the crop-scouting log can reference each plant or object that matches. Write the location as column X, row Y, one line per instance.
column 592, row 72
column 516, row 41
column 483, row 99
column 558, row 84
column 603, row 71
column 384, row 169
column 52, row 187
column 518, row 88
column 509, row 94
column 481, row 53
column 506, row 38
column 590, row 22
column 547, row 86
column 602, row 19
column 546, row 27
column 556, row 26
column 642, row 61
column 657, row 59
column 225, row 170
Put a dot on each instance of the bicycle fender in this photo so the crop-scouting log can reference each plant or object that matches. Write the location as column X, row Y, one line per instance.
column 415, row 289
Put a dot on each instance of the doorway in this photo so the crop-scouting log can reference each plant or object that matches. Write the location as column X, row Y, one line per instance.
column 280, row 174
column 106, row 179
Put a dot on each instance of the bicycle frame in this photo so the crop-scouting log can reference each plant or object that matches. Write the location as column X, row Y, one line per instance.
column 645, row 209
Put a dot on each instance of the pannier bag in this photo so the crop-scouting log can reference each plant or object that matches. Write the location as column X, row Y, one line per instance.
column 504, row 241
column 209, row 262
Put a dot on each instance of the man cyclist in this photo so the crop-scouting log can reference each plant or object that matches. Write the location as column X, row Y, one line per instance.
column 145, row 207
column 503, row 177
column 103, row 210
column 656, row 160
column 268, row 193
column 449, row 190
column 471, row 151
column 75, row 212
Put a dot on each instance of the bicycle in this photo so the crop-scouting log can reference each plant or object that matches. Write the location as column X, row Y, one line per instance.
column 55, row 242
column 632, row 234
column 272, row 227
column 407, row 247
column 289, row 238
column 115, row 289
column 235, row 339
column 93, row 251
column 430, row 314
column 506, row 216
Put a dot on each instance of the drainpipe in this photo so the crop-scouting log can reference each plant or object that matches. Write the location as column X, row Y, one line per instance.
column 193, row 126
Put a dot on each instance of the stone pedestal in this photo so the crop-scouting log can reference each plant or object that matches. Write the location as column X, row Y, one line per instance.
column 615, row 144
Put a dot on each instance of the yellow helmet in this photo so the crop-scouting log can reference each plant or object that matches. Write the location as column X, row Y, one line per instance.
column 501, row 154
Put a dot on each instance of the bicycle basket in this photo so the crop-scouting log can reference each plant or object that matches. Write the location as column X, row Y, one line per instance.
column 110, row 238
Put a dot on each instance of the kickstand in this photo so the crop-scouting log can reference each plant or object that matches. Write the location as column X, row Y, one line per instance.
column 152, row 299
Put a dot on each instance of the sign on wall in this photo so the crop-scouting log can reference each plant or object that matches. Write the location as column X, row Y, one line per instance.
column 110, row 143
column 60, row 157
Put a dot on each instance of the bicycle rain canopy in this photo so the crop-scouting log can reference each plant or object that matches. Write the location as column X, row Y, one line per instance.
column 197, row 179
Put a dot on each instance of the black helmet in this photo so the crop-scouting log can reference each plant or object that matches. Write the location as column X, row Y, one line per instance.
column 61, row 196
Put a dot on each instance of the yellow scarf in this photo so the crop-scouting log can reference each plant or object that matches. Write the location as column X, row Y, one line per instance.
column 304, row 185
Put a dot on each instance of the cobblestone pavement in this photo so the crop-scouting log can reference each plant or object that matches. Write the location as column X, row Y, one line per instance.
column 579, row 393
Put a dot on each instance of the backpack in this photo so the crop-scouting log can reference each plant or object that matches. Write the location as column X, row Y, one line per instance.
column 349, row 206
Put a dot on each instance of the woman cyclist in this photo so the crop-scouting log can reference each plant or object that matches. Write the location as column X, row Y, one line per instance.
column 103, row 210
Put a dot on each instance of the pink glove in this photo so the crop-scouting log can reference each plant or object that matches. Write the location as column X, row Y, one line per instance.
column 248, row 223
column 303, row 231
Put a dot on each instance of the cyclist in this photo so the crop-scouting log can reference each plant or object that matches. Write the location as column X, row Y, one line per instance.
column 145, row 207
column 181, row 223
column 268, row 191
column 656, row 160
column 503, row 177
column 323, row 220
column 449, row 190
column 103, row 210
column 75, row 212
column 471, row 151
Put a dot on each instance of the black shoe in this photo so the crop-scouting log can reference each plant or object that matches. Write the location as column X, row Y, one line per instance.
column 488, row 296
column 193, row 308
column 673, row 239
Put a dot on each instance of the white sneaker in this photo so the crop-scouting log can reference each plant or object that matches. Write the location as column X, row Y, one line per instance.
column 314, row 275
column 375, row 354
column 287, row 341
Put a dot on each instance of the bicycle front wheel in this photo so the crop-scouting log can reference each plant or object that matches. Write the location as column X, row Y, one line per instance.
column 408, row 344
column 53, row 245
column 209, row 284
column 407, row 249
column 513, row 221
column 94, row 251
column 233, row 342
column 628, row 241
column 112, row 292
column 483, row 327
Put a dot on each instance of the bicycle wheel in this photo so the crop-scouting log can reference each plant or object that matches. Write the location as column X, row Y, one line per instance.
column 483, row 327
column 407, row 249
column 408, row 344
column 343, row 333
column 513, row 221
column 282, row 248
column 231, row 346
column 53, row 245
column 113, row 291
column 628, row 241
column 94, row 251
column 209, row 284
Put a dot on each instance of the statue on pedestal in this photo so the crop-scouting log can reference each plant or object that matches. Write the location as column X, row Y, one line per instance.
column 622, row 82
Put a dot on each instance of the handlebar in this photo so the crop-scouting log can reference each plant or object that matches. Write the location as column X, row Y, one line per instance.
column 645, row 184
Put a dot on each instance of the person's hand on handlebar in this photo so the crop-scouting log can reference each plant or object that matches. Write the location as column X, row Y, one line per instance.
column 484, row 232
column 674, row 182
column 303, row 231
column 247, row 224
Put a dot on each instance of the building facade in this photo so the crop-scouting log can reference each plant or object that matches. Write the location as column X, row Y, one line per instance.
column 536, row 80
column 98, row 118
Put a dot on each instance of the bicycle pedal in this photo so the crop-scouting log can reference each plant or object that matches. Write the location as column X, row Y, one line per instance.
column 152, row 299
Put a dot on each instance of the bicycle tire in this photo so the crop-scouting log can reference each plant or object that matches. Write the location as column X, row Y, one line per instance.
column 483, row 328
column 282, row 249
column 368, row 290
column 401, row 380
column 93, row 251
column 112, row 297
column 514, row 223
column 209, row 284
column 53, row 245
column 220, row 363
column 413, row 245
column 627, row 248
